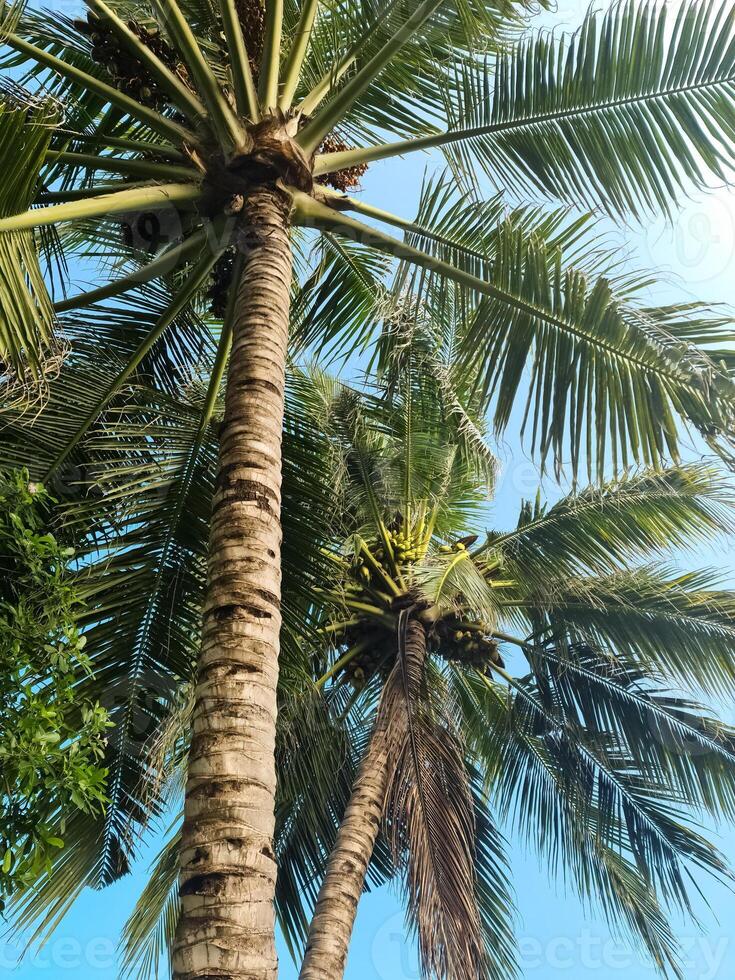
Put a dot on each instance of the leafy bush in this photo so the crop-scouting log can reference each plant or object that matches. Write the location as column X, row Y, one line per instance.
column 51, row 741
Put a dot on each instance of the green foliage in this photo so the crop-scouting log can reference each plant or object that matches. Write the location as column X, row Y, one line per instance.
column 625, row 112
column 26, row 318
column 51, row 742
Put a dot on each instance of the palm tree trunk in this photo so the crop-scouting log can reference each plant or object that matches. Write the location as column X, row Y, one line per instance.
column 334, row 915
column 228, row 870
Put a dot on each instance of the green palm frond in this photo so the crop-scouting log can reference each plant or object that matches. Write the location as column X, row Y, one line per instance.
column 601, row 529
column 676, row 742
column 678, row 624
column 627, row 112
column 533, row 794
column 607, row 381
column 338, row 305
column 28, row 349
column 149, row 932
column 408, row 95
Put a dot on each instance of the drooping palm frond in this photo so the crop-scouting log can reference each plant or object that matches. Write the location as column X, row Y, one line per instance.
column 27, row 345
column 602, row 529
column 677, row 623
column 529, row 788
column 676, row 742
column 337, row 306
column 543, row 777
column 609, row 384
column 430, row 815
column 149, row 932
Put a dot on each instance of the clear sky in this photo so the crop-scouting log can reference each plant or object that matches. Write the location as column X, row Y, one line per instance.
column 557, row 938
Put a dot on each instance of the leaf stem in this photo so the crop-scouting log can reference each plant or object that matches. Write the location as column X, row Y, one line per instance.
column 139, row 199
column 181, row 94
column 296, row 55
column 228, row 128
column 271, row 61
column 155, row 120
column 123, row 165
column 242, row 76
column 314, row 132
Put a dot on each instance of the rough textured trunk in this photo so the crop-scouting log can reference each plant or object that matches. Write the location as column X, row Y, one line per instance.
column 334, row 915
column 228, row 869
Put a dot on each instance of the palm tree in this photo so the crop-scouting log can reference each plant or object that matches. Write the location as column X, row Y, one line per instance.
column 586, row 745
column 227, row 125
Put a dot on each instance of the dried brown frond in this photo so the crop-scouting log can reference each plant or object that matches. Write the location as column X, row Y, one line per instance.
column 429, row 816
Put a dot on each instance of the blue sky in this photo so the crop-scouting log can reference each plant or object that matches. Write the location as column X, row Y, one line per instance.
column 557, row 937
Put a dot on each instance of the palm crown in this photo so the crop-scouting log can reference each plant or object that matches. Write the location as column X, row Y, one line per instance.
column 586, row 746
column 177, row 106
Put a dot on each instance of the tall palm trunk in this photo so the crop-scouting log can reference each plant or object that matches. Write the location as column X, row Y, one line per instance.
column 228, row 868
column 334, row 915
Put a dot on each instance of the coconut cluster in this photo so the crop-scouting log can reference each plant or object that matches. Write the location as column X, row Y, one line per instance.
column 127, row 72
column 469, row 644
column 449, row 636
column 341, row 180
column 220, row 282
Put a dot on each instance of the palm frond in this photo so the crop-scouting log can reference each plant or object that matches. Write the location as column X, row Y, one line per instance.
column 430, row 815
column 607, row 381
column 626, row 113
column 677, row 623
column 675, row 741
column 149, row 932
column 27, row 345
column 603, row 528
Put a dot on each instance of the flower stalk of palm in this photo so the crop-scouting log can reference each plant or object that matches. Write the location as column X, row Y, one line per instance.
column 237, row 147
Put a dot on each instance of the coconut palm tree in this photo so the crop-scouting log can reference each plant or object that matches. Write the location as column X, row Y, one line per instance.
column 581, row 740
column 201, row 127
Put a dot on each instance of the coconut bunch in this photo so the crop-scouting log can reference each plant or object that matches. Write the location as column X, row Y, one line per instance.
column 379, row 581
column 470, row 644
column 220, row 281
column 341, row 180
column 127, row 72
